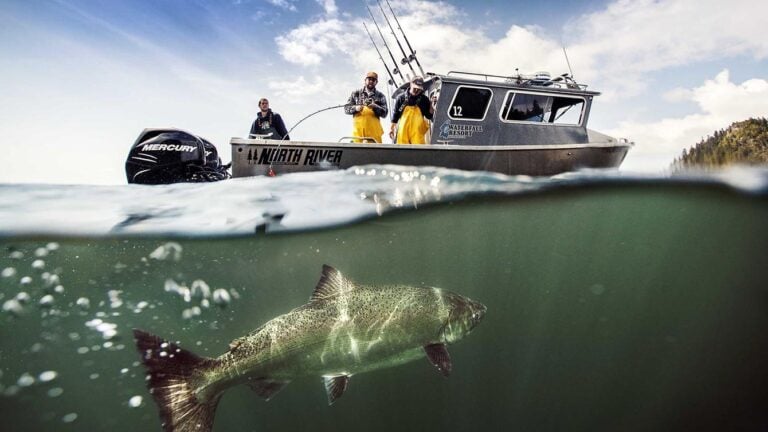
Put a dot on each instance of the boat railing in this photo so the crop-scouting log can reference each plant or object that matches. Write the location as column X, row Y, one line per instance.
column 541, row 79
column 352, row 138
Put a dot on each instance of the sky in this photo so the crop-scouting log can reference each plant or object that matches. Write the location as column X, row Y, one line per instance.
column 80, row 79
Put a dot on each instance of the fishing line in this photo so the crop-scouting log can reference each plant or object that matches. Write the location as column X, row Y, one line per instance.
column 271, row 172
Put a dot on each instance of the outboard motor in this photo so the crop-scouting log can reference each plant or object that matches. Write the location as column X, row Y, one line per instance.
column 163, row 156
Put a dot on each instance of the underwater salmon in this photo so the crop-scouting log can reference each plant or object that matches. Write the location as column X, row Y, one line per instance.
column 344, row 329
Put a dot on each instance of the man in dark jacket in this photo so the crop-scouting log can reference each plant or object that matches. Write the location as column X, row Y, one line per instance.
column 410, row 113
column 268, row 124
column 367, row 106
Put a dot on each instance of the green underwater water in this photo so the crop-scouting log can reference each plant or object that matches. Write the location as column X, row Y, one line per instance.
column 641, row 307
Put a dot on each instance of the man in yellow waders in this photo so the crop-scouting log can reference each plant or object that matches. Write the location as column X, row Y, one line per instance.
column 410, row 113
column 367, row 106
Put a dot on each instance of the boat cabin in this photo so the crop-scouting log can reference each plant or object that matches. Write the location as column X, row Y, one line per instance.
column 487, row 110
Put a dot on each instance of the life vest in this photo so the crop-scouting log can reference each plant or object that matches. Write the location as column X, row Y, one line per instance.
column 265, row 128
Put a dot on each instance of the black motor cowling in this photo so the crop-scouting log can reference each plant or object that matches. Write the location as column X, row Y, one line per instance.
column 163, row 156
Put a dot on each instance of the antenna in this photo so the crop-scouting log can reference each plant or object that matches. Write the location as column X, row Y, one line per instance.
column 396, row 70
column 411, row 57
column 391, row 78
column 406, row 59
column 567, row 61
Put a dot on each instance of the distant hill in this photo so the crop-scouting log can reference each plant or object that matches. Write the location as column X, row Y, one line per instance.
column 744, row 142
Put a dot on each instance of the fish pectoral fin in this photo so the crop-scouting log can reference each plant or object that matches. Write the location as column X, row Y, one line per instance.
column 437, row 354
column 335, row 385
column 266, row 387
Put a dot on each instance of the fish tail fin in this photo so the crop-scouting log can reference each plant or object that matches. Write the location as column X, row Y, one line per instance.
column 173, row 375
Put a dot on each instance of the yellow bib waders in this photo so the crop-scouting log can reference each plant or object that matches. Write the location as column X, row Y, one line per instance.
column 412, row 126
column 366, row 124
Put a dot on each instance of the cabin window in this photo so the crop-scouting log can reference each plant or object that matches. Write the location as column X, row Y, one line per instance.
column 537, row 108
column 470, row 103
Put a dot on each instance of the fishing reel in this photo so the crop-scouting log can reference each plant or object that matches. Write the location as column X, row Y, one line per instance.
column 368, row 102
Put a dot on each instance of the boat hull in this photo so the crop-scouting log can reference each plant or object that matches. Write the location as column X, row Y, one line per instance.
column 257, row 157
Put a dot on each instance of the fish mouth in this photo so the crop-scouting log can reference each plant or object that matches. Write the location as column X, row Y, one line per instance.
column 476, row 318
column 464, row 318
column 478, row 313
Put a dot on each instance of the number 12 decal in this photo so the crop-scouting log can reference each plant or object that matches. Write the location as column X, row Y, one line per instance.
column 457, row 110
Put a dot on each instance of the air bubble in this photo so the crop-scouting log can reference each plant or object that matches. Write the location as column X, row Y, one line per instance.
column 83, row 303
column 69, row 418
column 16, row 255
column 25, row 380
column 26, row 280
column 114, row 299
column 41, row 252
column 38, row 264
column 47, row 301
column 8, row 272
column 47, row 376
column 13, row 306
column 55, row 392
column 597, row 289
column 200, row 289
column 221, row 297
column 52, row 246
column 135, row 401
column 191, row 312
column 170, row 250
column 51, row 279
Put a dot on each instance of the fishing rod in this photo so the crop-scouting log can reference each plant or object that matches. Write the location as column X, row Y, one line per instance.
column 405, row 59
column 310, row 115
column 412, row 57
column 270, row 170
column 391, row 78
column 396, row 69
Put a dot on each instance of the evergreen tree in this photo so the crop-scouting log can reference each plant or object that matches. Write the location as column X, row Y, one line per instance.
column 743, row 142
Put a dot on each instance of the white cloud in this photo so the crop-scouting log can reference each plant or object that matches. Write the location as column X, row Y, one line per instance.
column 630, row 38
column 285, row 4
column 720, row 102
column 329, row 6
column 309, row 44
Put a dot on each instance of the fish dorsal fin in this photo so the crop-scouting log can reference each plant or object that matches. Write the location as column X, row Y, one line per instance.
column 335, row 385
column 331, row 283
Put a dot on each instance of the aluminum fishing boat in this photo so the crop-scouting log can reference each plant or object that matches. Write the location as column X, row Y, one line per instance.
column 517, row 125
